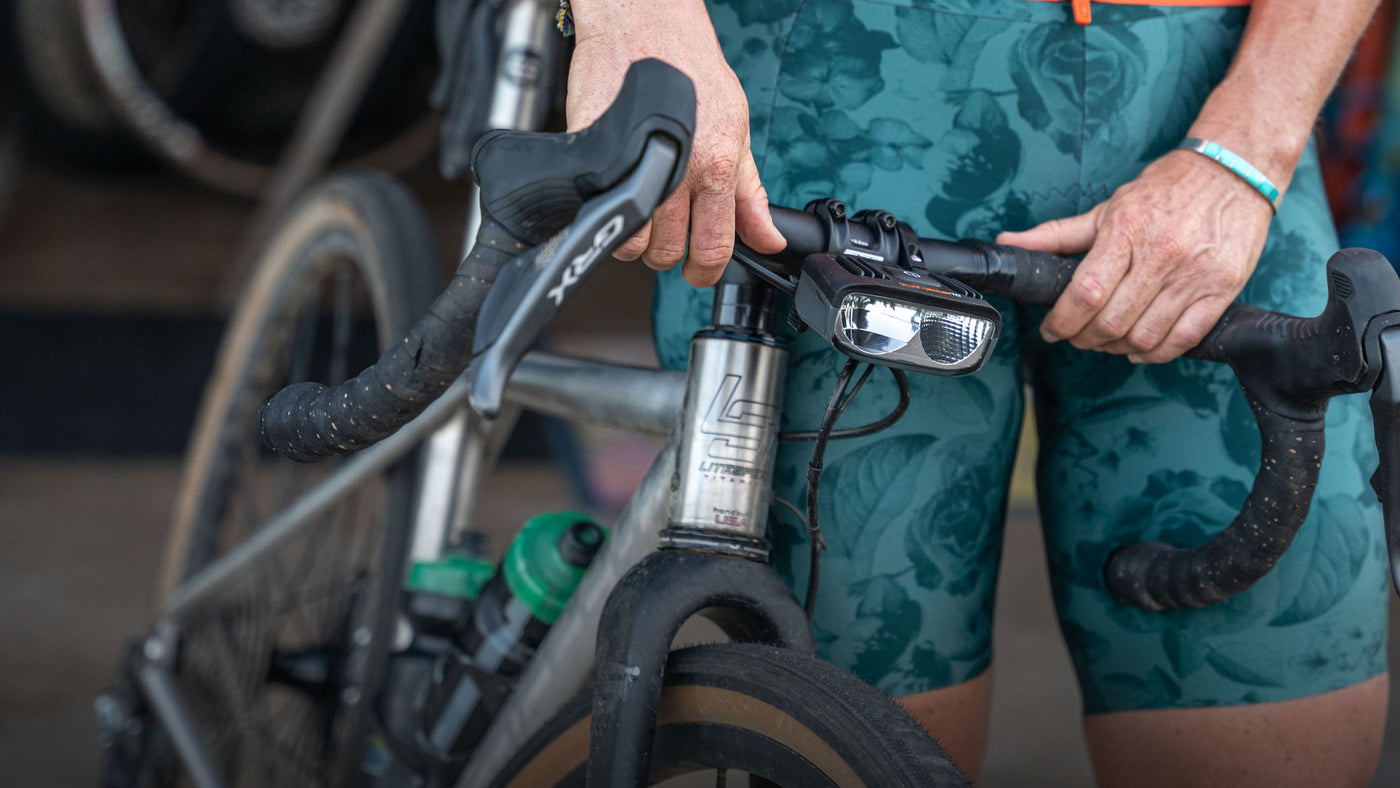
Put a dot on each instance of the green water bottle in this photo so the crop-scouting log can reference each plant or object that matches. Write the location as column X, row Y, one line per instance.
column 439, row 596
column 540, row 571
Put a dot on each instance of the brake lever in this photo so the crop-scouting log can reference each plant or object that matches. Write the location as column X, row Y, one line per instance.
column 531, row 289
column 768, row 268
column 1385, row 413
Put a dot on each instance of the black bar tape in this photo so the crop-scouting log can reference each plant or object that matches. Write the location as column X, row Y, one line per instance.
column 532, row 185
column 1156, row 576
column 1289, row 368
column 1035, row 277
column 309, row 421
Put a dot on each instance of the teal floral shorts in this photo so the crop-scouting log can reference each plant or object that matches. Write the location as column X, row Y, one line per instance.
column 966, row 117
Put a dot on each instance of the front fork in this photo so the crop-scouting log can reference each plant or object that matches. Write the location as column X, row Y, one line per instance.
column 714, row 555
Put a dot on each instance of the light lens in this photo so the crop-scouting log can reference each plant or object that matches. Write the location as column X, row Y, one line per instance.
column 876, row 326
column 946, row 341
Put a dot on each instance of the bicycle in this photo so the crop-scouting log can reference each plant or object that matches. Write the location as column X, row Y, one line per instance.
column 540, row 236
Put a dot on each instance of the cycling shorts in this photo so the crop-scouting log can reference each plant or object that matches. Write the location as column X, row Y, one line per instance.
column 966, row 117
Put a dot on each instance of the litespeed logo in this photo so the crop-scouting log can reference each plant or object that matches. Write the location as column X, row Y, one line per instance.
column 580, row 265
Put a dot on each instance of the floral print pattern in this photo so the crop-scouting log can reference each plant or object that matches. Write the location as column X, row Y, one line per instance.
column 966, row 117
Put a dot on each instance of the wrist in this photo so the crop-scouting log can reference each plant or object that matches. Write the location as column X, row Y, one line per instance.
column 631, row 20
column 1268, row 137
column 1239, row 168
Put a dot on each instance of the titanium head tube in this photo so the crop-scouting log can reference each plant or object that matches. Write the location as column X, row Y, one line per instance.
column 724, row 469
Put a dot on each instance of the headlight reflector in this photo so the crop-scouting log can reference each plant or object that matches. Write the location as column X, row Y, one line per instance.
column 919, row 336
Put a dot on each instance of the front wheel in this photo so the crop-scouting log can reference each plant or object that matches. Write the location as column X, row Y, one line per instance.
column 775, row 714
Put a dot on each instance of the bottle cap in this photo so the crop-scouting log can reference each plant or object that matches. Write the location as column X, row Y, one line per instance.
column 540, row 571
column 580, row 542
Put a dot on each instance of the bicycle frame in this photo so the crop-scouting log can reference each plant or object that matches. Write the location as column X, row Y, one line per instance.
column 729, row 403
column 718, row 463
column 457, row 453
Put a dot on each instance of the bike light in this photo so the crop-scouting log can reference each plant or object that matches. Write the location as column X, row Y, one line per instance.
column 895, row 317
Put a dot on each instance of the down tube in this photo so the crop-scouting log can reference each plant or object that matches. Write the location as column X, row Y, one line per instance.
column 564, row 663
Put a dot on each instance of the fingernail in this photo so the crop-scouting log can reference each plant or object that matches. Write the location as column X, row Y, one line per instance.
column 1135, row 358
column 1047, row 336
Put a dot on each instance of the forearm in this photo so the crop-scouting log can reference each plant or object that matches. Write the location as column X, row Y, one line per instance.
column 1289, row 59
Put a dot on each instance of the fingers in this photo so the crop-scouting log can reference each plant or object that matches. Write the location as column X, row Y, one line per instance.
column 1071, row 235
column 1155, row 323
column 1173, row 324
column 669, row 225
column 753, row 221
column 706, row 208
column 1188, row 331
column 711, row 222
column 1143, row 306
column 1094, row 282
column 633, row 247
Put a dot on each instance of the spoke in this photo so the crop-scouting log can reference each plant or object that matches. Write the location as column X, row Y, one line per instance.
column 326, row 547
column 288, row 707
column 304, row 340
column 241, row 709
column 246, row 479
column 305, row 574
column 286, row 476
column 308, row 744
column 346, row 541
column 250, row 520
column 342, row 312
column 314, row 594
column 294, row 756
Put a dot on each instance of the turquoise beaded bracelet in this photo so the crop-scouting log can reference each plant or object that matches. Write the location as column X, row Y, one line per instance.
column 1236, row 164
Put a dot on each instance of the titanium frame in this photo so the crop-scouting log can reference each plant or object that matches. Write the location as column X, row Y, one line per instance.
column 462, row 445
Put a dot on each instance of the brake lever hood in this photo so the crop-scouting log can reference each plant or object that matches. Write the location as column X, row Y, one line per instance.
column 532, row 288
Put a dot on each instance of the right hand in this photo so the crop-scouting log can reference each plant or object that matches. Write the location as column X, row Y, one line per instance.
column 721, row 192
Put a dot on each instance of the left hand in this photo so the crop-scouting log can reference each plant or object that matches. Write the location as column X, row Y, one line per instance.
column 1166, row 254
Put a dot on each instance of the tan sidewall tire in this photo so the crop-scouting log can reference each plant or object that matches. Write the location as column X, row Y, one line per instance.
column 793, row 706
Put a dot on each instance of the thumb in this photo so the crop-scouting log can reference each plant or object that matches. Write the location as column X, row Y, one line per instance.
column 1070, row 235
column 752, row 221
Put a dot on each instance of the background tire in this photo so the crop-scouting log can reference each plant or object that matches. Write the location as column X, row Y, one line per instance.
column 217, row 87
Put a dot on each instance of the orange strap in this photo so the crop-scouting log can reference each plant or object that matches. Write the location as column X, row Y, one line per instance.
column 1084, row 16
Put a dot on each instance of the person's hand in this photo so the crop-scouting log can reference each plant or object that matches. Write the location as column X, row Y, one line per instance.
column 1166, row 254
column 721, row 189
